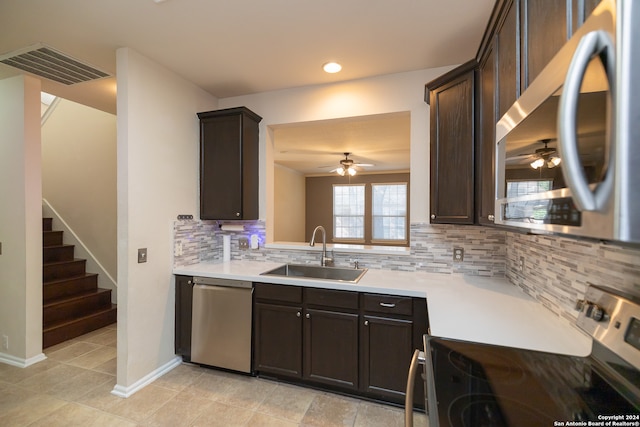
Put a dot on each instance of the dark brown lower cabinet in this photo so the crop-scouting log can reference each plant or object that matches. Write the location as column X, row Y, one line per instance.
column 278, row 339
column 331, row 348
column 354, row 342
column 183, row 309
column 386, row 355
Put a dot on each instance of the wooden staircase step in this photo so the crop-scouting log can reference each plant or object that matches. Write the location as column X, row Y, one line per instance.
column 47, row 224
column 75, row 306
column 63, row 269
column 66, row 330
column 57, row 253
column 52, row 238
column 62, row 288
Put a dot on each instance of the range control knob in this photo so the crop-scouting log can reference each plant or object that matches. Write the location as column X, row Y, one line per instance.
column 597, row 313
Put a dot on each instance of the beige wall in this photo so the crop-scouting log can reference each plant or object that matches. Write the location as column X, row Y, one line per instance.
column 20, row 221
column 158, row 151
column 377, row 95
column 79, row 175
column 289, row 191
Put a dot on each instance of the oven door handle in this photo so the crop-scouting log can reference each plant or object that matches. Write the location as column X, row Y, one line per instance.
column 417, row 359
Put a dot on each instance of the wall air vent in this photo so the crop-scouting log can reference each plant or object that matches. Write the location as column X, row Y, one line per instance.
column 44, row 61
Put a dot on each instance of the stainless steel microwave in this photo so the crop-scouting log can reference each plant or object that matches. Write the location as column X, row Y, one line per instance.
column 568, row 150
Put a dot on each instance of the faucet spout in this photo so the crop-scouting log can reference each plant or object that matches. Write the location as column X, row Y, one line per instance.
column 324, row 261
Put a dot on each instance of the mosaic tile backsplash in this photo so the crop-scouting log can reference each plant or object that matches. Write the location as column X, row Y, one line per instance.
column 431, row 249
column 556, row 269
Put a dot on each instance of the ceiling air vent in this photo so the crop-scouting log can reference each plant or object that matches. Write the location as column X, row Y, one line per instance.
column 47, row 62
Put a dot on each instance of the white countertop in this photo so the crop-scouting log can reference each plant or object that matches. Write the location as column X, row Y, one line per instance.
column 471, row 308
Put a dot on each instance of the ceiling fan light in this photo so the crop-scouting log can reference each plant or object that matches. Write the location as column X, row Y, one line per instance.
column 340, row 171
column 351, row 171
column 553, row 162
column 538, row 163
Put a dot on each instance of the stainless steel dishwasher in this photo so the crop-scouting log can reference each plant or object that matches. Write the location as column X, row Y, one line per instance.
column 221, row 323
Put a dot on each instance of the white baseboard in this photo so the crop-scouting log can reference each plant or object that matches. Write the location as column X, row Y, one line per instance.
column 19, row 362
column 123, row 391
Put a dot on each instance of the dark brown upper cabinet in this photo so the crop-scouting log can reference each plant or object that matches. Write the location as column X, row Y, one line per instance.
column 507, row 58
column 485, row 142
column 451, row 98
column 544, row 31
column 229, row 164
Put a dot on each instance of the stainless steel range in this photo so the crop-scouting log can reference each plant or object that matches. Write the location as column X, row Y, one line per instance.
column 472, row 384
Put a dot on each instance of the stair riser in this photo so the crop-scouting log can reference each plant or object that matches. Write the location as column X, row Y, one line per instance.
column 52, row 291
column 57, row 253
column 51, row 238
column 63, row 270
column 56, row 335
column 70, row 310
column 47, row 224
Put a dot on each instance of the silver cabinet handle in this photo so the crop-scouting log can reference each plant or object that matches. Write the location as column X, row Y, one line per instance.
column 387, row 305
column 592, row 43
column 366, row 323
column 491, row 217
column 298, row 314
column 433, row 216
column 237, row 213
column 308, row 316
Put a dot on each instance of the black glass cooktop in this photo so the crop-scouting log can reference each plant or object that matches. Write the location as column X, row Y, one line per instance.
column 479, row 385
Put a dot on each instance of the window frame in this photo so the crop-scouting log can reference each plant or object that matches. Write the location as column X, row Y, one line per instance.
column 404, row 239
column 356, row 240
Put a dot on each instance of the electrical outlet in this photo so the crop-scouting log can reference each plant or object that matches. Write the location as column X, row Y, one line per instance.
column 243, row 243
column 142, row 255
column 5, row 342
column 521, row 264
column 458, row 254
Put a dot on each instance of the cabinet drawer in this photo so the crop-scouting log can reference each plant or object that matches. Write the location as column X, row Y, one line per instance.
column 331, row 298
column 282, row 293
column 388, row 304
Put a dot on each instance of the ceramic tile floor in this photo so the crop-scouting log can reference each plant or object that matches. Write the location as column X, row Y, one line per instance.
column 73, row 388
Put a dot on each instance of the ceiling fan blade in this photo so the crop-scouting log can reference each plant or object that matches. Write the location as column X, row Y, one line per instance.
column 364, row 165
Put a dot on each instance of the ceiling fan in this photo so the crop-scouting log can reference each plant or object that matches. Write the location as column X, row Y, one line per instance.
column 349, row 166
column 546, row 156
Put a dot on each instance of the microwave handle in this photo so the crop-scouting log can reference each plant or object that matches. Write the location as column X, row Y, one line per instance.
column 592, row 43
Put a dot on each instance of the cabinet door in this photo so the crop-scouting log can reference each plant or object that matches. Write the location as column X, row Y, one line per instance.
column 452, row 141
column 183, row 310
column 508, row 59
column 485, row 184
column 331, row 348
column 229, row 164
column 387, row 347
column 544, row 32
column 278, row 339
column 220, row 168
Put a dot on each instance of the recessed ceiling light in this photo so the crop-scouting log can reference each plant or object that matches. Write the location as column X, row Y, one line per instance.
column 332, row 67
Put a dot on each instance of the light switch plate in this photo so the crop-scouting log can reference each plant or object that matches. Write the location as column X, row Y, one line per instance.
column 142, row 255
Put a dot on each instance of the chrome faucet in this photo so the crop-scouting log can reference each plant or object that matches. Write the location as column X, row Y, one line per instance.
column 324, row 261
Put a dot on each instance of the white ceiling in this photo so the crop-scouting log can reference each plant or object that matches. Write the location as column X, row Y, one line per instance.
column 239, row 47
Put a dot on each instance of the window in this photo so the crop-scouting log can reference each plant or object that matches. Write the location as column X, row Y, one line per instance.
column 533, row 210
column 522, row 188
column 389, row 211
column 348, row 212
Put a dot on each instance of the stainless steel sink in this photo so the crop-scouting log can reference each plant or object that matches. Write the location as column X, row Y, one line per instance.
column 306, row 271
